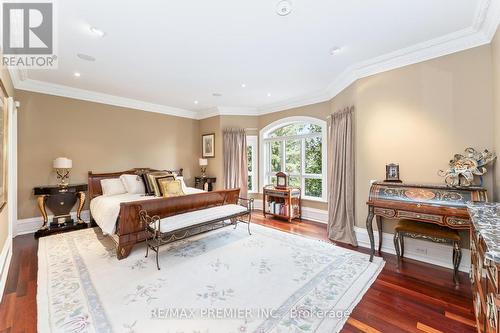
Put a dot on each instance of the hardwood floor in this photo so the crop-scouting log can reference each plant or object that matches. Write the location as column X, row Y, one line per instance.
column 417, row 298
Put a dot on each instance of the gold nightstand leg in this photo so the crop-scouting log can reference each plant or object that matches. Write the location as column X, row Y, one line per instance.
column 81, row 203
column 41, row 206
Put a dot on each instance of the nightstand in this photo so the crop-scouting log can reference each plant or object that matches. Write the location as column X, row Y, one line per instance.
column 60, row 201
column 204, row 183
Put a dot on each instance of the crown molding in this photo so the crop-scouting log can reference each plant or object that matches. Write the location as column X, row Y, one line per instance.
column 92, row 96
column 481, row 32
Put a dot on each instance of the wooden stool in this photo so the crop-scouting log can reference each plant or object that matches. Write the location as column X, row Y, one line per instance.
column 430, row 232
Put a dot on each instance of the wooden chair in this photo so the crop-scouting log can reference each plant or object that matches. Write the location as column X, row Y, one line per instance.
column 430, row 232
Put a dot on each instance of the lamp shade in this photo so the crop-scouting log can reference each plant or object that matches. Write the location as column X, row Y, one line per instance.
column 62, row 163
column 203, row 161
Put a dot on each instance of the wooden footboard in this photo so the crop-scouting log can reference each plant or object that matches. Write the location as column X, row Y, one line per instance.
column 130, row 229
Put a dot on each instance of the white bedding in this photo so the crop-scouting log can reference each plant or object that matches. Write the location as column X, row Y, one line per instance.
column 105, row 209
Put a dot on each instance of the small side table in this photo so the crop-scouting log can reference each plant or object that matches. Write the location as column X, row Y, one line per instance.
column 60, row 201
column 282, row 203
column 204, row 183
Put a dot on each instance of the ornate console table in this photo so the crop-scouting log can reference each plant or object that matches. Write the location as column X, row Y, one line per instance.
column 438, row 204
column 60, row 201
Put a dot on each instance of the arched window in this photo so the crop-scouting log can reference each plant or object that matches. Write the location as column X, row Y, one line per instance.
column 297, row 146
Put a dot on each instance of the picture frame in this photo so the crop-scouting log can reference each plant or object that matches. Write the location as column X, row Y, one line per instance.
column 281, row 180
column 392, row 173
column 208, row 145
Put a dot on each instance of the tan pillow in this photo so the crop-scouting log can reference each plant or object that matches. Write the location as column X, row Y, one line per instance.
column 153, row 184
column 170, row 188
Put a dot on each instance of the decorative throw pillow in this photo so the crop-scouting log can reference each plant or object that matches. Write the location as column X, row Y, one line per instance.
column 170, row 188
column 112, row 186
column 133, row 184
column 153, row 184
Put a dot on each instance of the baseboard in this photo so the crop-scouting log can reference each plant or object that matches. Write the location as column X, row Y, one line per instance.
column 30, row 225
column 312, row 214
column 5, row 257
column 432, row 253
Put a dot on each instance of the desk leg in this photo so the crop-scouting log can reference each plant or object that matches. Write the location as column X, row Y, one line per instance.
column 379, row 227
column 81, row 203
column 369, row 228
column 41, row 206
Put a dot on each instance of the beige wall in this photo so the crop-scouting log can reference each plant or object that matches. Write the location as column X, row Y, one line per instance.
column 495, row 57
column 97, row 137
column 419, row 116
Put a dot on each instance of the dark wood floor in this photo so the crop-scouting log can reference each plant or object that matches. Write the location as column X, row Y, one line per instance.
column 417, row 298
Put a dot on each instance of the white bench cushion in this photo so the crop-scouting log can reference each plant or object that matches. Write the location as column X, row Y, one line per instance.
column 183, row 220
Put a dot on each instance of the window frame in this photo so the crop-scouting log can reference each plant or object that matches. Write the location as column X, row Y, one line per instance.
column 252, row 141
column 265, row 153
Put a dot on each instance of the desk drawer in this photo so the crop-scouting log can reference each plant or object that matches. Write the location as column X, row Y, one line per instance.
column 385, row 212
column 402, row 214
column 457, row 222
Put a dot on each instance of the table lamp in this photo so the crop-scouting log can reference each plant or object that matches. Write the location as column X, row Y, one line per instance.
column 62, row 166
column 203, row 164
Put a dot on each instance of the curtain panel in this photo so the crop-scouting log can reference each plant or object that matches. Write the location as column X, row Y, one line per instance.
column 235, row 160
column 341, row 177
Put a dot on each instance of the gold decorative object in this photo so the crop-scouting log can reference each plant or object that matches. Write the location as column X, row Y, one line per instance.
column 203, row 164
column 463, row 168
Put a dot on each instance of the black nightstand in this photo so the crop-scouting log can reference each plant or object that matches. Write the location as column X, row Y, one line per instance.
column 60, row 201
column 199, row 182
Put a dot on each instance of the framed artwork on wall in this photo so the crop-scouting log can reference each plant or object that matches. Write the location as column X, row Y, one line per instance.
column 208, row 145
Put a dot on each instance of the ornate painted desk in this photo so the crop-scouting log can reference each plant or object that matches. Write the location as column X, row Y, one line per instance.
column 438, row 204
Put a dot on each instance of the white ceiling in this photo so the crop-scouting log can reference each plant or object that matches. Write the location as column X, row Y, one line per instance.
column 167, row 54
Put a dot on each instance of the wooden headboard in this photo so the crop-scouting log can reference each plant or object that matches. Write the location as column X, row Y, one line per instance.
column 95, row 189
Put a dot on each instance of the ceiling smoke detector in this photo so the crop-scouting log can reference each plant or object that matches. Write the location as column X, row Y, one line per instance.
column 284, row 8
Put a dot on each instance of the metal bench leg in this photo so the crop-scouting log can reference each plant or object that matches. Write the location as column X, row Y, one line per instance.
column 396, row 247
column 249, row 221
column 157, row 255
column 402, row 244
column 457, row 257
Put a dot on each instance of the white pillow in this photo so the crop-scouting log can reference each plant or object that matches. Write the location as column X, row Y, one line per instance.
column 183, row 184
column 133, row 184
column 112, row 186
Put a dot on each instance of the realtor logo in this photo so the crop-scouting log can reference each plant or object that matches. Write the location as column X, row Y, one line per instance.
column 28, row 35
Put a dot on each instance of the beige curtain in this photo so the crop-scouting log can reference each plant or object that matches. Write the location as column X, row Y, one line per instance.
column 341, row 177
column 235, row 160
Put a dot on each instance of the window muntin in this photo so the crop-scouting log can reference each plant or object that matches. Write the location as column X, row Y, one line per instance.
column 296, row 147
column 252, row 163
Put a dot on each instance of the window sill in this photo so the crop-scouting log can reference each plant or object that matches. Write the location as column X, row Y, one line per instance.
column 314, row 199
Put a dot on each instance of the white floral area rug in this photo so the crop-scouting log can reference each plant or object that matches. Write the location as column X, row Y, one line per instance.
column 222, row 281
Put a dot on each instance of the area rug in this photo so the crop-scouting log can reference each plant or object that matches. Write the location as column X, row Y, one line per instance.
column 217, row 282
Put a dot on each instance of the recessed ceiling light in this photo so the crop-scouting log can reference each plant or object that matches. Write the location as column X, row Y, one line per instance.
column 98, row 32
column 283, row 8
column 195, row 102
column 243, row 85
column 268, row 94
column 335, row 50
column 85, row 57
column 76, row 74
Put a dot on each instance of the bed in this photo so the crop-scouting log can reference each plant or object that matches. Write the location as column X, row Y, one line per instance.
column 118, row 215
